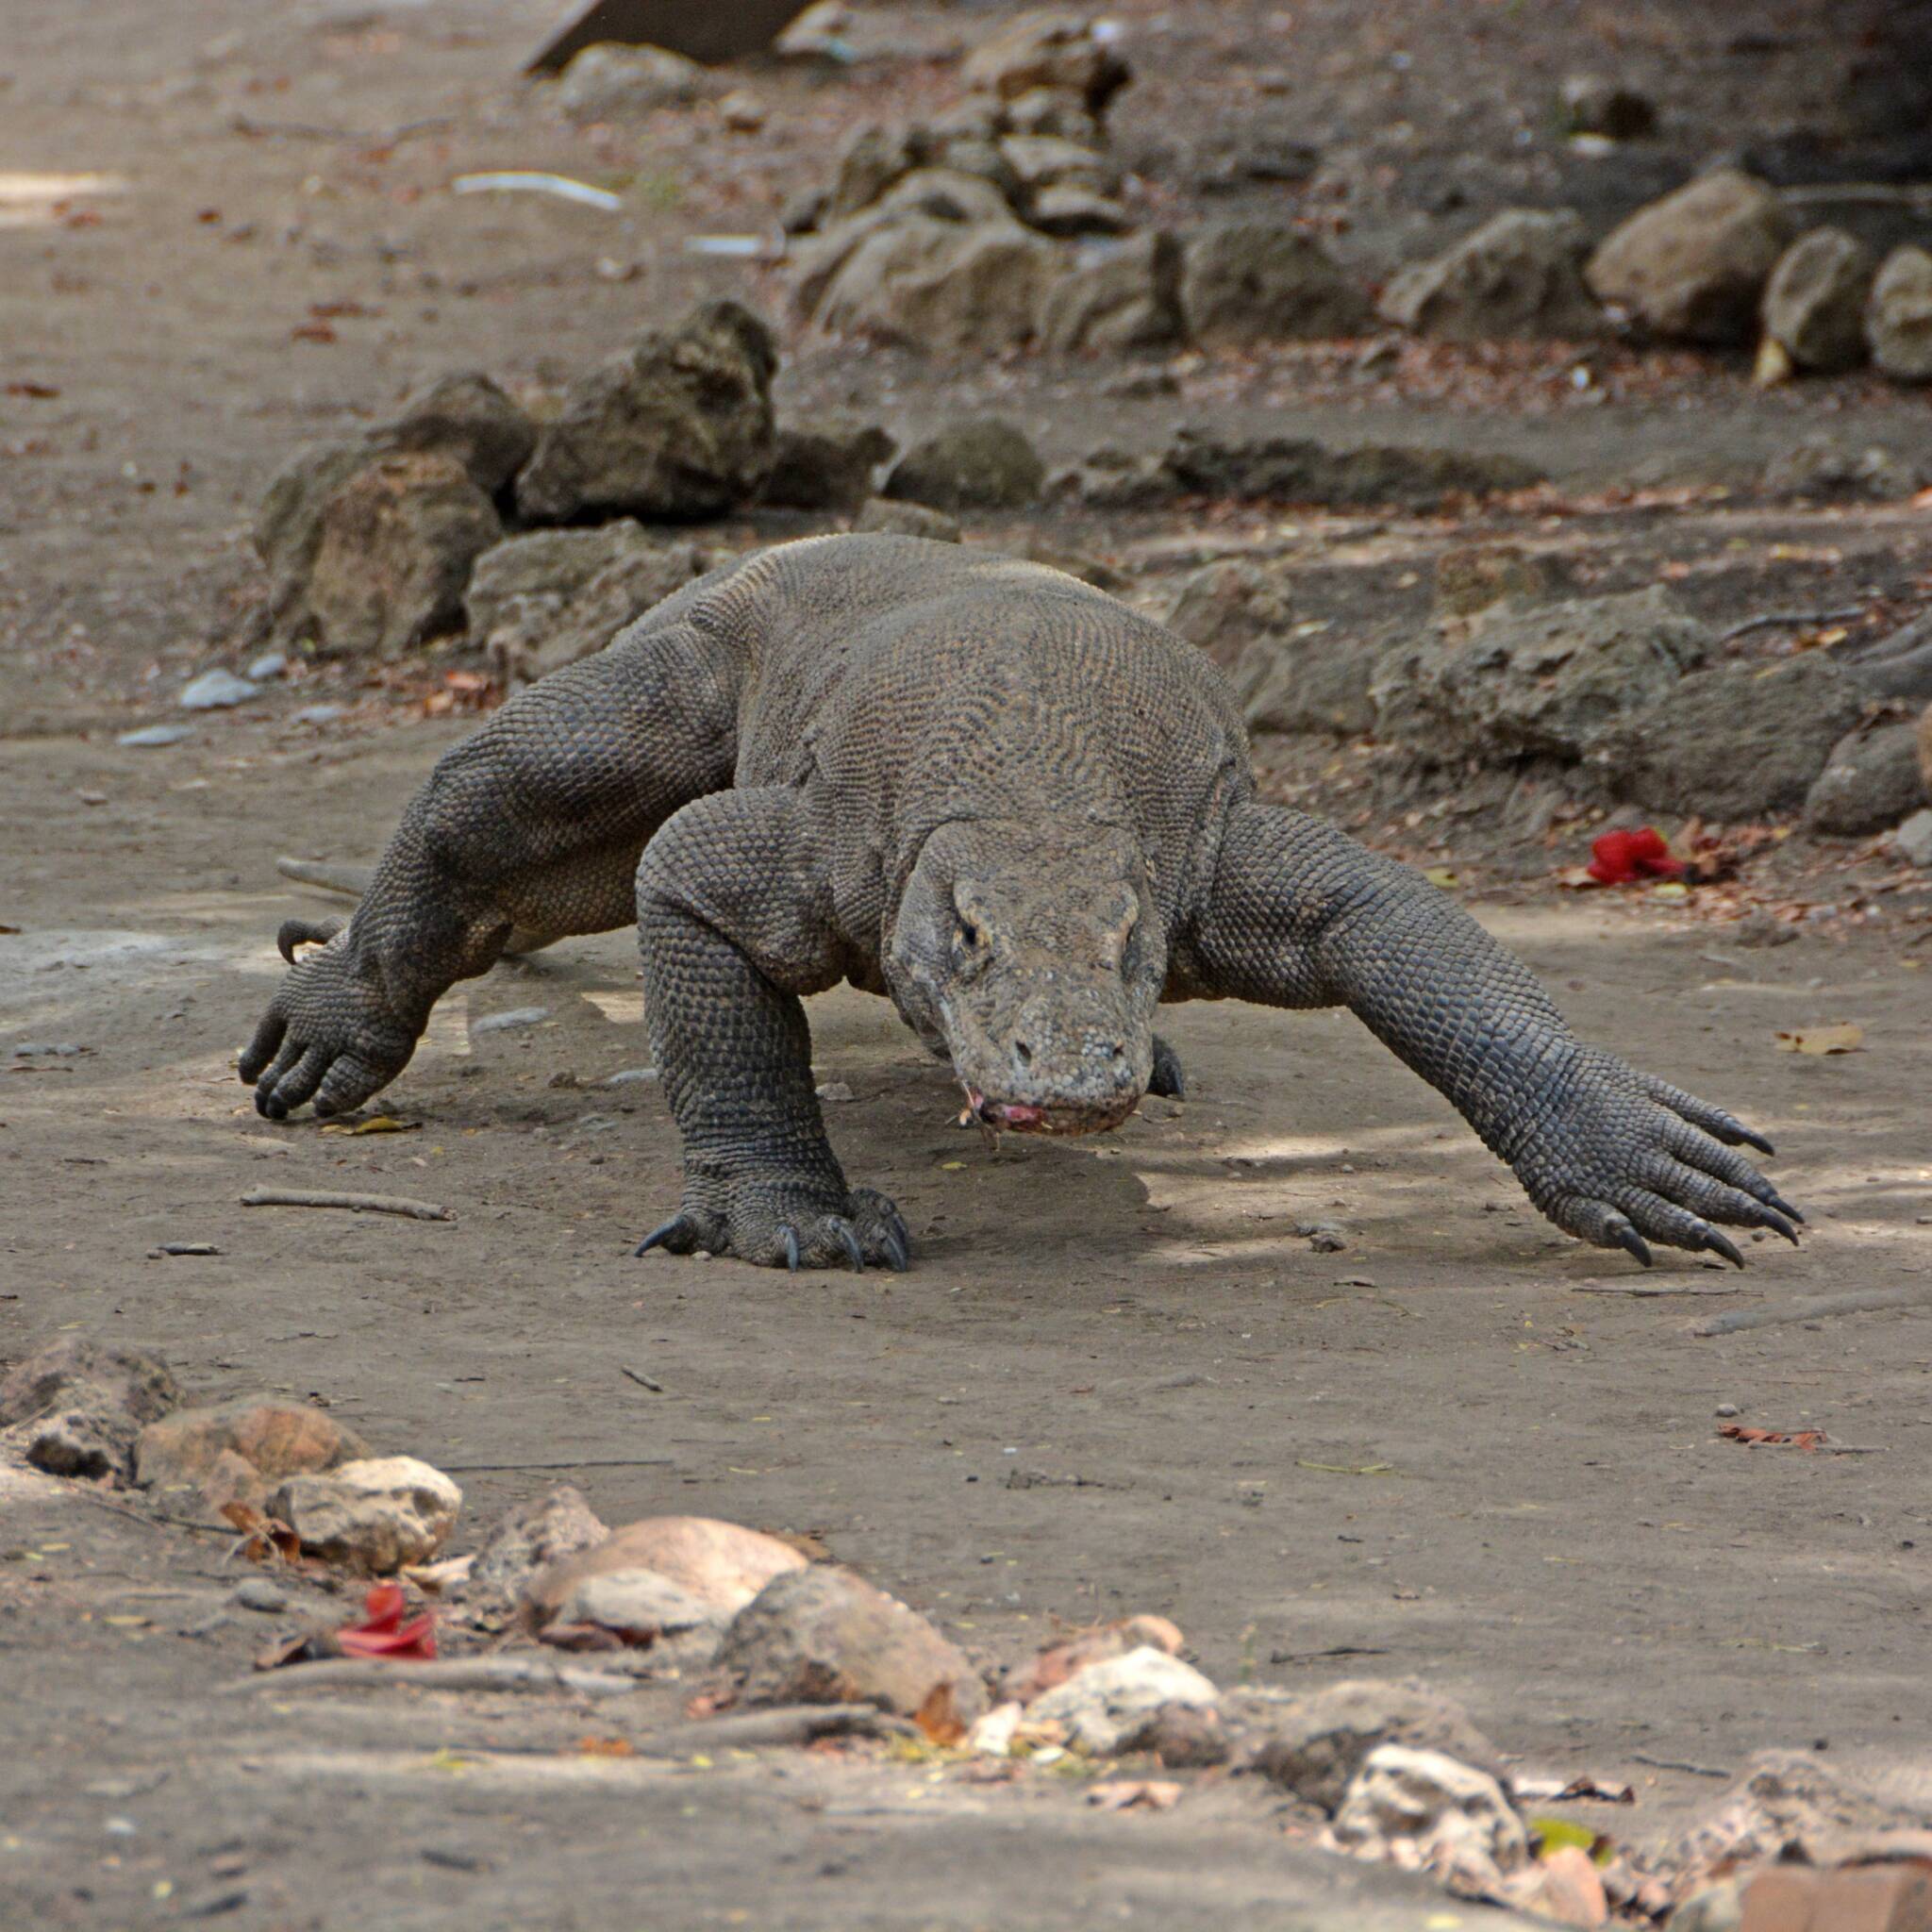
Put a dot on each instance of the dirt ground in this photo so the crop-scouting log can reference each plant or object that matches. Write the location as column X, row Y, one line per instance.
column 1117, row 1378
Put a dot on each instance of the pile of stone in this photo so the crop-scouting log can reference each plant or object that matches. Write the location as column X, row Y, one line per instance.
column 1628, row 697
column 543, row 538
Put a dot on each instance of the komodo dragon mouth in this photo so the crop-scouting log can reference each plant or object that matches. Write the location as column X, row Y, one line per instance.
column 1018, row 1117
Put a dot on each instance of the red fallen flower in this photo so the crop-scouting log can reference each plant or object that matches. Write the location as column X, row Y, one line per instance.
column 385, row 1634
column 1617, row 858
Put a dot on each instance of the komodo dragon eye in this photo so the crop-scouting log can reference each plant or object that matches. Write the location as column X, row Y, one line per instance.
column 967, row 938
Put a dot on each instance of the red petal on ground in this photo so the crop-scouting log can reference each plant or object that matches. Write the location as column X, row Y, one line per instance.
column 1618, row 857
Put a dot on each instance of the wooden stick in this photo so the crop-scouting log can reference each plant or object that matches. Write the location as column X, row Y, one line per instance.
column 355, row 1204
column 1644, row 1287
column 524, row 1674
column 1733, row 1320
column 1777, row 619
column 788, row 1724
column 589, row 1462
column 1678, row 1764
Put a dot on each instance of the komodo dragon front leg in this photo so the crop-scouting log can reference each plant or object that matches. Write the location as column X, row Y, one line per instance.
column 1301, row 916
column 735, row 920
column 532, row 828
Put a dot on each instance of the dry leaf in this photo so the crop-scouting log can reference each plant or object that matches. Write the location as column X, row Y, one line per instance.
column 1822, row 1039
column 1136, row 1794
column 606, row 1747
column 379, row 1123
column 1806, row 1439
column 937, row 1718
column 263, row 1537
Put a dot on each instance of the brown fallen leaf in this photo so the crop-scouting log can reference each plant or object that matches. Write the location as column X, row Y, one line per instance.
column 1547, row 1790
column 1846, row 1038
column 937, row 1718
column 1136, row 1794
column 263, row 1537
column 1756, row 1439
column 606, row 1747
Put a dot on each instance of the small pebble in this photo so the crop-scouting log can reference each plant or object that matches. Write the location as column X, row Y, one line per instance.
column 150, row 735
column 505, row 1022
column 633, row 1076
column 270, row 664
column 259, row 1593
column 317, row 714
column 1729, row 1408
column 835, row 1090
column 184, row 1248
column 216, row 690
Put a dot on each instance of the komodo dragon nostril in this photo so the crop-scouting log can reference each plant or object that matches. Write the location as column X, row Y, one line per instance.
column 1023, row 1053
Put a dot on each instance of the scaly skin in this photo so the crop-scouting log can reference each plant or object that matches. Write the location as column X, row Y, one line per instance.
column 1013, row 806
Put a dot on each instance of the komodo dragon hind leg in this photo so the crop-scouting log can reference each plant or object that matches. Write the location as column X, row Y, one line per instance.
column 351, row 881
column 1301, row 916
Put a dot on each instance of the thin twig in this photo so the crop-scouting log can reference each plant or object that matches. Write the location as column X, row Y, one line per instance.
column 642, row 1380
column 1858, row 193
column 1678, row 1764
column 446, row 1673
column 1778, row 620
column 357, row 1204
column 595, row 1462
column 1733, row 1320
column 786, row 1724
column 307, row 130
column 1649, row 1289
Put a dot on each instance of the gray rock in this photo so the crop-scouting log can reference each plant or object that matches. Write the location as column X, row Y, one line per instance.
column 259, row 1593
column 826, row 469
column 607, row 82
column 150, row 737
column 821, row 1635
column 76, row 1408
column 881, row 517
column 1718, row 1907
column 270, row 665
column 1073, row 213
column 1297, row 470
column 216, row 690
column 1822, row 468
column 1057, row 50
column 1109, row 478
column 1518, row 274
column 1899, row 320
column 514, row 1021
column 317, row 714
column 1226, row 606
column 1109, row 1702
column 469, row 419
column 1814, row 304
column 634, row 1076
column 1427, row 1808
column 523, row 1539
column 1546, row 680
column 1913, row 839
column 398, row 541
column 1472, row 576
column 924, row 283
column 1314, row 1746
column 1734, row 742
column 1870, row 781
column 981, row 463
column 1262, row 281
column 288, row 528
column 872, row 160
column 1116, row 297
column 1043, row 160
column 1317, row 678
column 538, row 602
column 1596, row 104
column 1693, row 266
column 373, row 1515
column 640, row 1605
column 1898, row 665
column 677, row 425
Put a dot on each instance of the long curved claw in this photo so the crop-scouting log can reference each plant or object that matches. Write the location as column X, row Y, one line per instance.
column 897, row 1253
column 659, row 1236
column 1757, row 1140
column 1778, row 1225
column 1785, row 1208
column 1630, row 1240
column 1720, row 1243
column 304, row 932
column 788, row 1235
column 848, row 1240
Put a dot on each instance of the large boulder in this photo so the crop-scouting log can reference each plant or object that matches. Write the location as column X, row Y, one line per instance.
column 1111, row 1702
column 823, row 1636
column 76, row 1408
column 1547, row 680
column 1735, row 742
column 1899, row 665
column 526, row 1538
column 1116, row 296
column 1870, row 781
column 1899, row 321
column 275, row 1436
column 1315, row 678
column 468, row 418
column 538, row 602
column 1518, row 275
column 1225, row 607
column 982, row 463
column 679, row 426
column 1261, row 281
column 720, row 1564
column 1814, row 305
column 398, row 544
column 1376, row 476
column 1693, row 266
column 286, row 530
column 925, row 284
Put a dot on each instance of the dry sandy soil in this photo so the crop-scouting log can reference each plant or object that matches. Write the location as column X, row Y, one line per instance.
column 1462, row 1448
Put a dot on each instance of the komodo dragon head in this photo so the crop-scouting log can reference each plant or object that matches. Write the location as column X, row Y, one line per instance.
column 1033, row 955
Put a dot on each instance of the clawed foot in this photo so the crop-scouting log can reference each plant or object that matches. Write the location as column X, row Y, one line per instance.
column 1624, row 1158
column 330, row 1033
column 1167, row 1078
column 780, row 1226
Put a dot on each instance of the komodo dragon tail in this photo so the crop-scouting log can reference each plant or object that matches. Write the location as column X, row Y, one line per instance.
column 350, row 881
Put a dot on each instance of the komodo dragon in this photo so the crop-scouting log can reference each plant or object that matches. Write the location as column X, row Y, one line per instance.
column 1018, row 809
